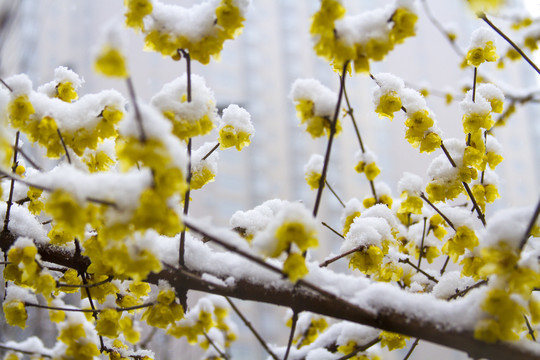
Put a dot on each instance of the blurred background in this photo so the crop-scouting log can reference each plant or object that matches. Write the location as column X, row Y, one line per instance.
column 256, row 72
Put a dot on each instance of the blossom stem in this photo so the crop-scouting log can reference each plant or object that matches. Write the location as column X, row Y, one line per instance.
column 6, row 85
column 530, row 227
column 210, row 152
column 474, row 84
column 89, row 296
column 448, row 155
column 211, row 342
column 9, row 348
column 330, row 141
column 351, row 115
column 64, row 145
column 291, row 334
column 138, row 116
column 12, row 185
column 422, row 243
column 186, row 55
column 407, row 261
column 27, row 158
column 475, row 204
column 251, row 328
column 438, row 211
column 467, row 289
column 186, row 207
column 109, row 279
column 333, row 192
column 413, row 346
column 439, row 27
column 508, row 40
column 530, row 330
column 332, row 229
column 445, row 265
column 337, row 257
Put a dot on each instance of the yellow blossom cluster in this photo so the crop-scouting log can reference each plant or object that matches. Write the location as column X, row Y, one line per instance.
column 162, row 37
column 334, row 44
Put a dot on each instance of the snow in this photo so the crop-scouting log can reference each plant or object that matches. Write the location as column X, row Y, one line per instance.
column 323, row 98
column 410, row 183
column 17, row 293
column 314, row 165
column 238, row 118
column 480, row 37
column 23, row 223
column 61, row 74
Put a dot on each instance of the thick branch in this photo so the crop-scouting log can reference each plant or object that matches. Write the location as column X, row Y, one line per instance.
column 283, row 293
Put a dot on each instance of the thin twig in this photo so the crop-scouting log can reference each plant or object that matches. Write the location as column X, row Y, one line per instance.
column 6, row 85
column 467, row 289
column 188, row 70
column 332, row 229
column 291, row 334
column 445, row 265
column 210, row 152
column 530, row 330
column 138, row 116
column 109, row 279
column 64, row 145
column 438, row 211
column 26, row 352
column 28, row 158
column 186, row 207
column 330, row 141
column 211, row 342
column 351, row 115
column 439, row 27
column 251, row 328
column 527, row 233
column 12, row 185
column 413, row 346
column 333, row 192
column 481, row 216
column 508, row 40
column 340, row 256
column 448, row 155
column 87, row 290
column 474, row 84
column 422, row 243
column 407, row 261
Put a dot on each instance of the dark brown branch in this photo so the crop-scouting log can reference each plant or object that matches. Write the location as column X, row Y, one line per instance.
column 414, row 345
column 508, row 40
column 467, row 289
column 6, row 85
column 219, row 351
column 186, row 206
column 330, row 141
column 530, row 226
column 291, row 334
column 28, row 158
column 109, row 279
column 394, row 319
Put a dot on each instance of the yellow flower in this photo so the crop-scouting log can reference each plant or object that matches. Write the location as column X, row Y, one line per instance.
column 294, row 232
column 403, row 25
column 477, row 56
column 367, row 260
column 295, row 267
column 66, row 92
column 136, row 11
column 393, row 340
column 313, row 179
column 229, row 137
column 111, row 62
column 108, row 323
column 506, row 317
column 348, row 222
column 465, row 238
column 20, row 109
column 68, row 214
column 201, row 177
column 15, row 313
column 388, row 104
